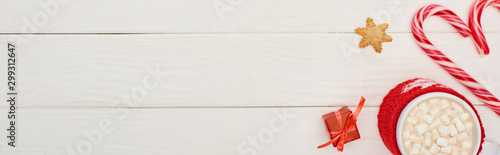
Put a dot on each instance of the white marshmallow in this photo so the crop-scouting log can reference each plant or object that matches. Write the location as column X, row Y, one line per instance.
column 455, row 150
column 421, row 129
column 434, row 111
column 414, row 111
column 445, row 104
column 419, row 113
column 406, row 134
column 434, row 148
column 446, row 149
column 407, row 144
column 469, row 126
column 428, row 139
column 420, row 139
column 462, row 136
column 445, row 119
column 424, row 108
column 466, row 144
column 436, row 123
column 452, row 140
column 459, row 124
column 428, row 118
column 411, row 120
column 458, row 108
column 415, row 149
column 442, row 141
column 444, row 130
column 435, row 134
column 434, row 101
column 453, row 130
column 426, row 152
column 464, row 117
column 413, row 137
column 451, row 112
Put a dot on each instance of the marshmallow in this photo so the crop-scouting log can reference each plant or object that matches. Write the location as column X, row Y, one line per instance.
column 421, row 129
column 415, row 149
column 434, row 101
column 434, row 148
column 451, row 112
column 407, row 144
column 455, row 150
column 469, row 126
column 413, row 137
column 420, row 139
column 411, row 120
column 453, row 130
column 434, row 111
column 426, row 152
column 414, row 111
column 419, row 113
column 444, row 130
column 466, row 144
column 452, row 140
column 464, row 117
column 458, row 108
column 436, row 123
column 445, row 119
column 459, row 124
column 435, row 134
column 428, row 118
column 446, row 149
column 462, row 136
column 442, row 141
column 445, row 104
column 428, row 139
column 406, row 133
column 424, row 108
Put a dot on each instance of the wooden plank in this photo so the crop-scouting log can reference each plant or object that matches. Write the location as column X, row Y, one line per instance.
column 226, row 70
column 180, row 16
column 195, row 130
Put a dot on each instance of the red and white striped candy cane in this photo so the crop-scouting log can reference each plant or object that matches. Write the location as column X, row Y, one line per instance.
column 475, row 24
column 459, row 74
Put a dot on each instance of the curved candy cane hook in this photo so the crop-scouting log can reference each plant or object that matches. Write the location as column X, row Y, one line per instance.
column 475, row 24
column 438, row 57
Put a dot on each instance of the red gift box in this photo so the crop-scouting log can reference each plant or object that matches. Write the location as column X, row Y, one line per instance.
column 333, row 120
column 341, row 125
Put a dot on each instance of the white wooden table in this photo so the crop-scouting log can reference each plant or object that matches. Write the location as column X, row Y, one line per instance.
column 226, row 77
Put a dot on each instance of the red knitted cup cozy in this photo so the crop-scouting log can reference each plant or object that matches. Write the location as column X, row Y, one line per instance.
column 396, row 100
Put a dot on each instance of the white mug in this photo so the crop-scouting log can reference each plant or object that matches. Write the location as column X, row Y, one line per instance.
column 489, row 148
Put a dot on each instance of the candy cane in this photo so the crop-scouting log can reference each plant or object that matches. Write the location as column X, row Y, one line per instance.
column 459, row 74
column 475, row 24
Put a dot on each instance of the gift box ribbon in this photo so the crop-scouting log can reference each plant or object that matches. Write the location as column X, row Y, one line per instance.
column 350, row 125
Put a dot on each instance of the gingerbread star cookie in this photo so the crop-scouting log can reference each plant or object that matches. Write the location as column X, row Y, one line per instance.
column 373, row 35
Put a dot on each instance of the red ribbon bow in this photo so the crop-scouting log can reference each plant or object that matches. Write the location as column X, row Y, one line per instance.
column 340, row 135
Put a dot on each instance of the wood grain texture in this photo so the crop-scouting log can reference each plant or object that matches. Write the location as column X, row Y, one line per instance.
column 196, row 130
column 227, row 70
column 200, row 16
column 223, row 79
